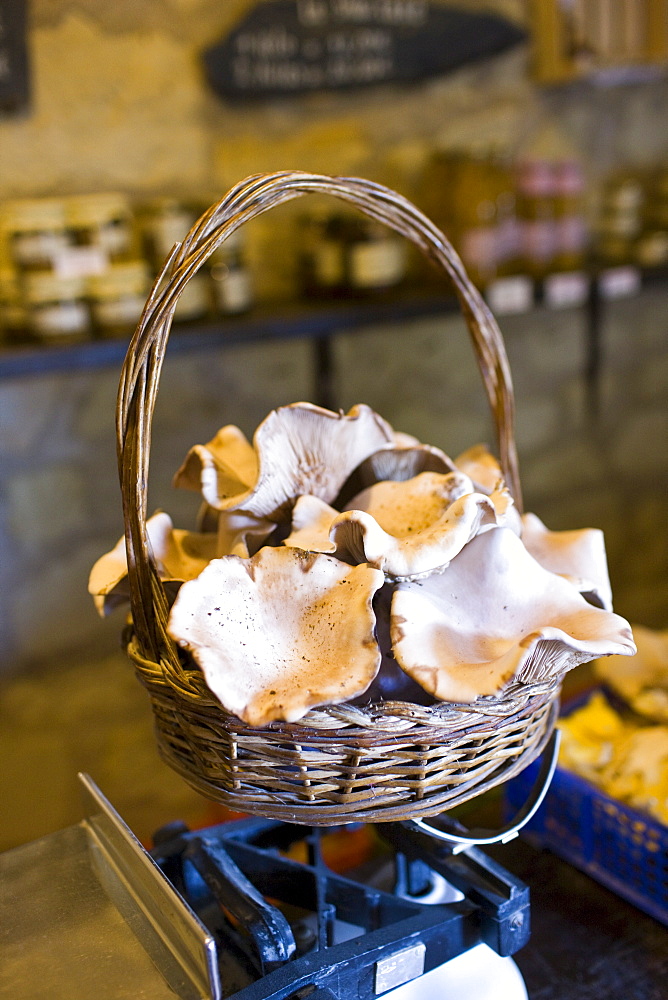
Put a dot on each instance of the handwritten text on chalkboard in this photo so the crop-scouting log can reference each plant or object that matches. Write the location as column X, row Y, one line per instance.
column 294, row 46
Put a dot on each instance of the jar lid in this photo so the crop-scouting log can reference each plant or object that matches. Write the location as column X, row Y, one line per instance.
column 96, row 209
column 32, row 215
column 48, row 286
column 127, row 278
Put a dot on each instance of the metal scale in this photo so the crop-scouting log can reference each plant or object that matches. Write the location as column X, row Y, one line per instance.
column 227, row 912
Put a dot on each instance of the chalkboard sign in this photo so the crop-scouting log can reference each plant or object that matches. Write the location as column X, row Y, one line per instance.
column 295, row 46
column 13, row 55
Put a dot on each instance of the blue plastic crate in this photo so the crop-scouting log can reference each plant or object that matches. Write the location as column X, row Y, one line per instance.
column 623, row 849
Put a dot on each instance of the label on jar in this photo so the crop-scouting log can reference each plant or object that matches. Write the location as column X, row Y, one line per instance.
column 376, row 264
column 480, row 247
column 193, row 301
column 233, row 290
column 571, row 288
column 59, row 319
column 80, row 262
column 37, row 249
column 114, row 238
column 166, row 230
column 123, row 311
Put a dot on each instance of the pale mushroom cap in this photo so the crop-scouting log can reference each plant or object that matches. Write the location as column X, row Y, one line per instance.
column 481, row 465
column 495, row 615
column 311, row 522
column 413, row 528
column 300, row 449
column 280, row 633
column 396, row 462
column 578, row 555
column 225, row 466
column 179, row 555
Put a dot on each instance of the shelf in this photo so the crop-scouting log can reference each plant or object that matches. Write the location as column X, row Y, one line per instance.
column 282, row 321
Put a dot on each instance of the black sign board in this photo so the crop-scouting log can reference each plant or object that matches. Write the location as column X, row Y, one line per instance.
column 295, row 46
column 14, row 85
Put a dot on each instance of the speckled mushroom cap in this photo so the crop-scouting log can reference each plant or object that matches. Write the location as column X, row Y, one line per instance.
column 298, row 449
column 494, row 615
column 280, row 633
column 416, row 527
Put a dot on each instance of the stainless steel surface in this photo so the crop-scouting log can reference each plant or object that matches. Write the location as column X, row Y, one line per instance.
column 85, row 914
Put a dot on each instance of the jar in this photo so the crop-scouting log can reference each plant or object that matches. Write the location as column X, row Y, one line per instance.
column 374, row 256
column 571, row 226
column 102, row 219
column 101, row 227
column 117, row 297
column 35, row 232
column 56, row 307
column 232, row 288
column 537, row 211
column 162, row 223
column 321, row 258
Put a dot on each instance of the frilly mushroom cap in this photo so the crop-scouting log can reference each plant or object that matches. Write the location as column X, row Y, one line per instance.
column 413, row 528
column 280, row 633
column 299, row 449
column 403, row 459
column 577, row 555
column 495, row 615
column 179, row 555
column 312, row 519
column 481, row 466
column 225, row 466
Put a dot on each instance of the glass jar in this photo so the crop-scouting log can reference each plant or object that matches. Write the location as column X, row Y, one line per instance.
column 101, row 221
column 538, row 217
column 56, row 308
column 571, row 235
column 117, row 297
column 162, row 223
column 35, row 232
column 232, row 287
column 374, row 256
column 321, row 257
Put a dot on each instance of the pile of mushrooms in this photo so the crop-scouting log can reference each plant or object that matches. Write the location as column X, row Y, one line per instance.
column 338, row 560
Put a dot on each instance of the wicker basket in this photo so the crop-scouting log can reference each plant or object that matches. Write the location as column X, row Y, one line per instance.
column 341, row 764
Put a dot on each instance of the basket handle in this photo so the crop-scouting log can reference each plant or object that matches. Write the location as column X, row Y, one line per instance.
column 143, row 362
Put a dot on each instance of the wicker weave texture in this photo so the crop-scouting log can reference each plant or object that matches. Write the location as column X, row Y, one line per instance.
column 342, row 763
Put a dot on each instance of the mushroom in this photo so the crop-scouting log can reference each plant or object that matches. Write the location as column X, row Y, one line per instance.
column 298, row 449
column 226, row 466
column 641, row 680
column 480, row 464
column 280, row 633
column 312, row 519
column 577, row 555
column 414, row 528
column 180, row 555
column 496, row 615
column 396, row 462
